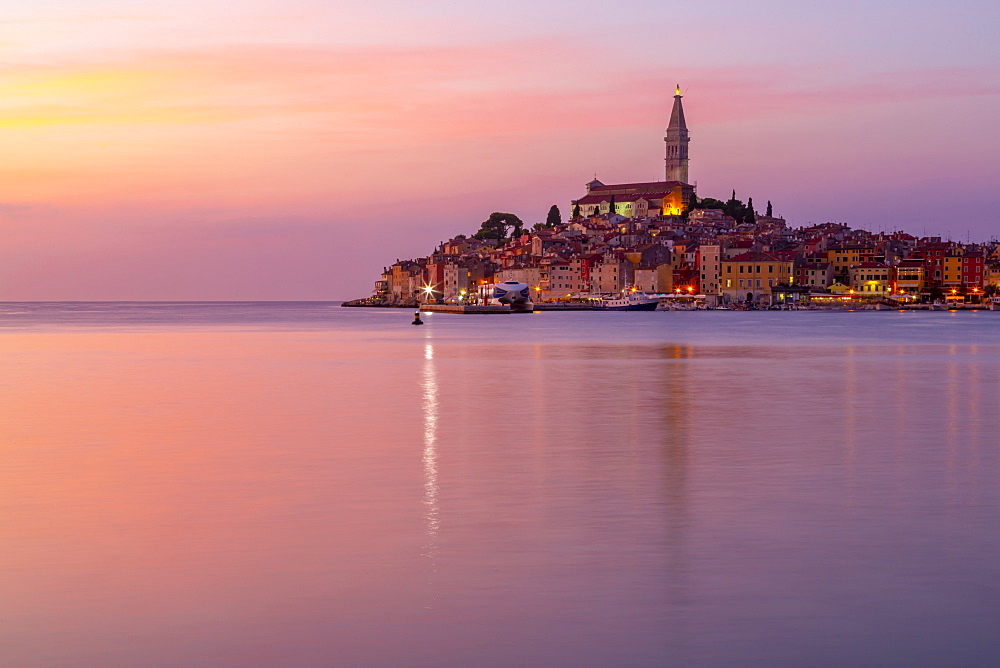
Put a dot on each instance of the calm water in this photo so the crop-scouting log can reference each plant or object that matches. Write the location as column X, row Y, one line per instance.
column 304, row 485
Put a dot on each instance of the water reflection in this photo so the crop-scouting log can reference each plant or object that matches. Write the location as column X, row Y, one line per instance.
column 235, row 498
column 430, row 413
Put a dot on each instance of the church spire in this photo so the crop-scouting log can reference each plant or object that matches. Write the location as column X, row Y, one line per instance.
column 677, row 142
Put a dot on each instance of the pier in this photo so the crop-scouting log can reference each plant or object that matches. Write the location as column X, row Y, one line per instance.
column 467, row 308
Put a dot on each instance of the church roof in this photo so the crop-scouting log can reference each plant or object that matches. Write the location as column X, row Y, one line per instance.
column 604, row 197
column 647, row 187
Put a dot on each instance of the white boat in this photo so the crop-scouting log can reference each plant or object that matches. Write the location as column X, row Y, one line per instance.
column 628, row 301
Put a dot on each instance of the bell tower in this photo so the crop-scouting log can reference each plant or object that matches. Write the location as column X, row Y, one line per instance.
column 677, row 142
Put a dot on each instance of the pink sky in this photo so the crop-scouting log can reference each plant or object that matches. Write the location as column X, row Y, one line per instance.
column 290, row 150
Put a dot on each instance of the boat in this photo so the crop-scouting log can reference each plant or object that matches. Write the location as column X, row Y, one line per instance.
column 629, row 300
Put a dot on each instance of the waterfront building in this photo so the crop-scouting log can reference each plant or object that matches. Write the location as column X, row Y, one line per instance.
column 951, row 267
column 992, row 275
column 751, row 276
column 710, row 269
column 612, row 274
column 815, row 275
column 910, row 277
column 871, row 279
column 973, row 270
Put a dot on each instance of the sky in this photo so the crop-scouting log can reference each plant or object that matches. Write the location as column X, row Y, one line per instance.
column 258, row 150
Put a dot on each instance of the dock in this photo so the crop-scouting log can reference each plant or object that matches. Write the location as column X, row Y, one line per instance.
column 564, row 306
column 466, row 308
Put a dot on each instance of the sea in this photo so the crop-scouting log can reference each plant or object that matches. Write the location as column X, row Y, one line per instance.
column 299, row 484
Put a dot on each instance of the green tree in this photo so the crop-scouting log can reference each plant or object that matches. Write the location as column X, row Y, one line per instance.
column 711, row 203
column 691, row 205
column 749, row 215
column 770, row 211
column 554, row 217
column 735, row 209
column 576, row 211
column 612, row 207
column 497, row 225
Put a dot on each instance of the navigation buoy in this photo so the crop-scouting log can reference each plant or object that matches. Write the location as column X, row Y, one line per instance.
column 416, row 319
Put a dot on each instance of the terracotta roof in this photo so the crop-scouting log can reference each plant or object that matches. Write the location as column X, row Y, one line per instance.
column 650, row 186
column 754, row 256
column 605, row 197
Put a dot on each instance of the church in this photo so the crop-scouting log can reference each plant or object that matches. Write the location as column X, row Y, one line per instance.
column 654, row 198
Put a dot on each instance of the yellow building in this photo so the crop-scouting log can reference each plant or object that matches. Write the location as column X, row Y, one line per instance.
column 993, row 274
column 871, row 279
column 750, row 277
column 635, row 200
column 951, row 277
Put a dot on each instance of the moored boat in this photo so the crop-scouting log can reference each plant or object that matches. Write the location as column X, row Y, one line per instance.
column 628, row 301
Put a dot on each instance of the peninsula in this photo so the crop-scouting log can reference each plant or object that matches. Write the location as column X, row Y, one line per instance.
column 659, row 237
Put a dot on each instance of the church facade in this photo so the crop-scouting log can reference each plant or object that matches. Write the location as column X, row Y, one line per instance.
column 654, row 198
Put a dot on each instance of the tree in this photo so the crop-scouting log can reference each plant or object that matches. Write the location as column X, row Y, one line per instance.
column 691, row 204
column 735, row 209
column 517, row 228
column 576, row 211
column 711, row 203
column 749, row 215
column 496, row 226
column 554, row 217
column 770, row 211
column 612, row 207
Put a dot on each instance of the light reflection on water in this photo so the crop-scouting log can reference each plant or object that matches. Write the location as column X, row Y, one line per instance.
column 430, row 410
column 301, row 485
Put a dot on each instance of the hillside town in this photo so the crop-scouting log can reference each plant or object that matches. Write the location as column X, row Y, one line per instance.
column 660, row 238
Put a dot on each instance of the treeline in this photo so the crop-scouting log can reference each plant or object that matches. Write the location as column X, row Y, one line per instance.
column 501, row 226
column 734, row 208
